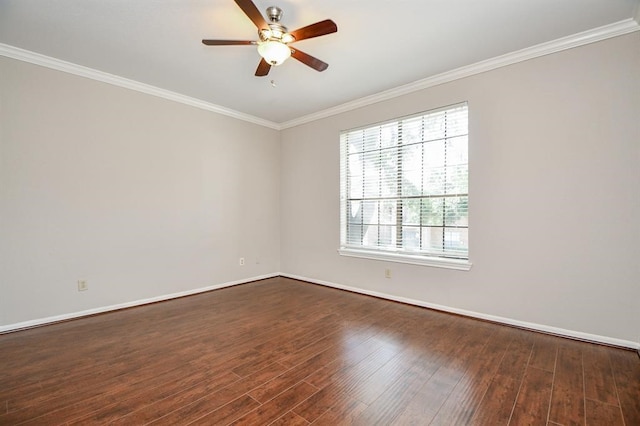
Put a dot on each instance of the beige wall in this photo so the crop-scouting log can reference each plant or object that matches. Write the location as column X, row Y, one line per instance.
column 140, row 196
column 554, row 195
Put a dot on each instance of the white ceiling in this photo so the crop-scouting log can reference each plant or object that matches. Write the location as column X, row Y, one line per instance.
column 380, row 44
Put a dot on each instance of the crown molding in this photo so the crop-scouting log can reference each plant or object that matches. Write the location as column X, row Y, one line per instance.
column 591, row 36
column 580, row 39
column 79, row 70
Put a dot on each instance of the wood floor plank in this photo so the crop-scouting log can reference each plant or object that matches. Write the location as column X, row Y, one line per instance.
column 190, row 411
column 123, row 388
column 343, row 376
column 545, row 350
column 450, row 365
column 370, row 383
column 464, row 399
column 290, row 419
column 600, row 413
column 158, row 409
column 226, row 414
column 626, row 370
column 282, row 351
column 599, row 384
column 316, row 347
column 395, row 396
column 300, row 335
column 86, row 386
column 532, row 405
column 292, row 376
column 423, row 355
column 424, row 406
column 327, row 363
column 278, row 406
column 497, row 404
column 315, row 406
column 352, row 380
column 344, row 412
column 567, row 398
column 195, row 406
column 395, row 391
column 107, row 410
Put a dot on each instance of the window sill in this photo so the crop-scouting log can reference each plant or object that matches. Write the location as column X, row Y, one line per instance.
column 437, row 262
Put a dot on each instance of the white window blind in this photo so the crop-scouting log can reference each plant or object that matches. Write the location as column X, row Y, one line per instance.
column 404, row 185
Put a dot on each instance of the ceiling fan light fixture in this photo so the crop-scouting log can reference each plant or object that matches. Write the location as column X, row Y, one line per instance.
column 287, row 38
column 264, row 34
column 274, row 52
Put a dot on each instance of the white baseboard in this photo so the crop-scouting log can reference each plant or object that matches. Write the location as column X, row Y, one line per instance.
column 508, row 321
column 103, row 309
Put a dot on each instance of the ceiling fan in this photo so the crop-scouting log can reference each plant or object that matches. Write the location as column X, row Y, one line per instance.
column 274, row 38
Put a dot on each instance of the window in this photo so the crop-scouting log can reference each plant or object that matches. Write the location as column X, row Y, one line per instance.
column 404, row 189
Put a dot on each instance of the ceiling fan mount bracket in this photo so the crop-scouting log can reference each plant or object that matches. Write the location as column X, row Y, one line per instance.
column 274, row 14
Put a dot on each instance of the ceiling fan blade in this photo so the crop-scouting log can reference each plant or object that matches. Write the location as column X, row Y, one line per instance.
column 309, row 60
column 253, row 13
column 227, row 42
column 263, row 68
column 315, row 30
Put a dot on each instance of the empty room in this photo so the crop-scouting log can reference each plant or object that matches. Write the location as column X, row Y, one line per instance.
column 429, row 215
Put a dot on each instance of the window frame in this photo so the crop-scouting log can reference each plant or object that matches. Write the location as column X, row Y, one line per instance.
column 380, row 253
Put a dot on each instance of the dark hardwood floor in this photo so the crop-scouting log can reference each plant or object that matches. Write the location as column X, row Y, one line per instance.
column 283, row 352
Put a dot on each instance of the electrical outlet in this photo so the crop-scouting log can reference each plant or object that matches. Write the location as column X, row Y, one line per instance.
column 387, row 273
column 82, row 285
column 241, row 261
